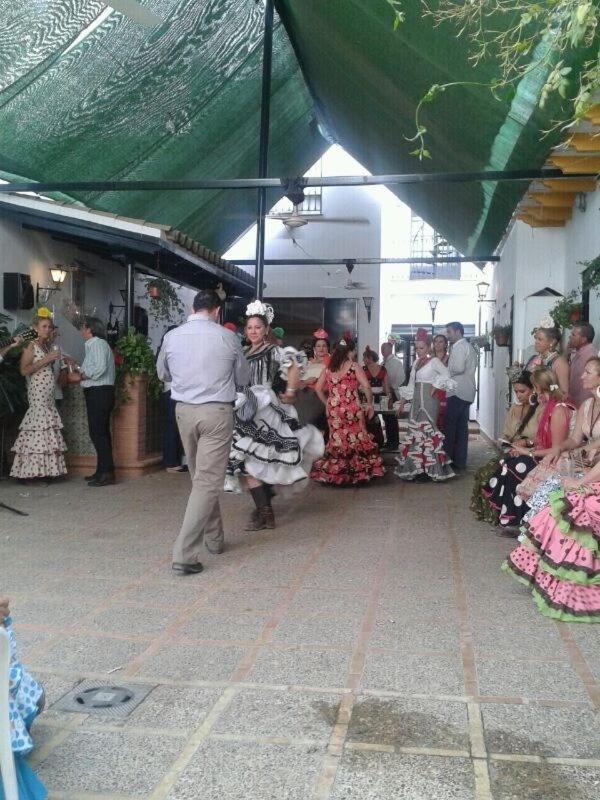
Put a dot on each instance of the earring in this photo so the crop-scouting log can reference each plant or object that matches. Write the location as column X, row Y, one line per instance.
column 533, row 399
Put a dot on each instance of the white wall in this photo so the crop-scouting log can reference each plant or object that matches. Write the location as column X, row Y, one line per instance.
column 33, row 252
column 532, row 259
column 405, row 301
column 326, row 239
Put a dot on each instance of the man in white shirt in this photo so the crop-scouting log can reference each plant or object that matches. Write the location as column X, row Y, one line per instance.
column 462, row 366
column 204, row 363
column 395, row 373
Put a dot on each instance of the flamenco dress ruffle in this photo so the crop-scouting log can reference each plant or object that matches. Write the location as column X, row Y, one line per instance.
column 268, row 441
column 25, row 698
column 39, row 448
column 559, row 557
column 343, row 466
column 501, row 489
column 422, row 453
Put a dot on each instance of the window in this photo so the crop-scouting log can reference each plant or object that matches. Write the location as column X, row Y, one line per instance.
column 313, row 203
column 427, row 243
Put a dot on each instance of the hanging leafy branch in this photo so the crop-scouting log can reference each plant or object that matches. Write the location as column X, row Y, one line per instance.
column 509, row 33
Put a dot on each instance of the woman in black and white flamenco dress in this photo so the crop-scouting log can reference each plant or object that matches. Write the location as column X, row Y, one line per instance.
column 422, row 453
column 270, row 447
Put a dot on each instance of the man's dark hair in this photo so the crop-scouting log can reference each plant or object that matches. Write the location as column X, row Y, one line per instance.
column 207, row 300
column 457, row 326
column 95, row 325
column 587, row 331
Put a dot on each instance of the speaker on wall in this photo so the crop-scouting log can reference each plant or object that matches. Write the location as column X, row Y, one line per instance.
column 18, row 291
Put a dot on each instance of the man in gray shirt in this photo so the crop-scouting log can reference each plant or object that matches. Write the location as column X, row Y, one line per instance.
column 204, row 363
column 462, row 366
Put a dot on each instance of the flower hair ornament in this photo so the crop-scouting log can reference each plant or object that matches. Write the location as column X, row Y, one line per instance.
column 43, row 313
column 259, row 309
column 553, row 387
column 321, row 333
column 343, row 343
column 545, row 322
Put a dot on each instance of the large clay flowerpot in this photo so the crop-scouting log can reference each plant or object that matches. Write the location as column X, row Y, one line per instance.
column 501, row 338
column 575, row 316
column 136, row 447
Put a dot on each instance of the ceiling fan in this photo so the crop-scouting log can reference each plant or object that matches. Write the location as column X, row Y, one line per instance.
column 135, row 11
column 349, row 286
column 296, row 220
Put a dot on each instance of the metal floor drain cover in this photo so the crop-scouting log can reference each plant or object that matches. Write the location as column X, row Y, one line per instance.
column 92, row 697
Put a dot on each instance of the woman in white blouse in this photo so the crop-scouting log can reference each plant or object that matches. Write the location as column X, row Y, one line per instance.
column 422, row 454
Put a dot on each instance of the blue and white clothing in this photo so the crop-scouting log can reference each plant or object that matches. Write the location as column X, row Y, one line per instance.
column 24, row 696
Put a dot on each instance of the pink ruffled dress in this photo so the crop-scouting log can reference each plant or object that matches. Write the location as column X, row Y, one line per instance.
column 559, row 556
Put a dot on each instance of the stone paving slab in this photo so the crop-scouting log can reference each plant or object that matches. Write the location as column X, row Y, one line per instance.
column 368, row 647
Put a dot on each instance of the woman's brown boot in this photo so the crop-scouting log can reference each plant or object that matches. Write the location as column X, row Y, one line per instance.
column 256, row 522
column 268, row 517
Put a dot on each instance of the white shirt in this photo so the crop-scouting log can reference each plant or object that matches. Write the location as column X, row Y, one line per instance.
column 462, row 366
column 433, row 372
column 98, row 365
column 395, row 370
column 203, row 362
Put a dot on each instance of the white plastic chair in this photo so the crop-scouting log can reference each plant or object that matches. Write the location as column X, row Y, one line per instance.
column 7, row 762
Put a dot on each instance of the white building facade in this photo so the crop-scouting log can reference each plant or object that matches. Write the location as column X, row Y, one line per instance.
column 534, row 259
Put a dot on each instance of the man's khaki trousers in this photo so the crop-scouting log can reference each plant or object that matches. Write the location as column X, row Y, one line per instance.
column 206, row 432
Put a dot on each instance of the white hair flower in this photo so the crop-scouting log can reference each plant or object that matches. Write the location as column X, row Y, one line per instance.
column 553, row 387
column 546, row 322
column 259, row 309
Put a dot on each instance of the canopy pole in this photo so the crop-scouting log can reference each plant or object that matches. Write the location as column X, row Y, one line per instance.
column 263, row 148
column 280, row 183
column 323, row 262
column 129, row 294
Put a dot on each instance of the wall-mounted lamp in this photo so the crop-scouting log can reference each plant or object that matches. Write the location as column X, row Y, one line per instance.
column 368, row 301
column 57, row 275
column 482, row 290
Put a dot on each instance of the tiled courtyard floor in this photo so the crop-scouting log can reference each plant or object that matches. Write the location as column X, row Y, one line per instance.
column 367, row 648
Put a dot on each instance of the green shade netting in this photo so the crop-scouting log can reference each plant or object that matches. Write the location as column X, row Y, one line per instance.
column 182, row 100
column 367, row 79
column 179, row 101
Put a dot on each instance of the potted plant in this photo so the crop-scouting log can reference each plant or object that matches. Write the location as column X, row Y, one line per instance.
column 136, row 415
column 502, row 334
column 481, row 342
column 566, row 312
column 590, row 277
column 165, row 304
column 134, row 358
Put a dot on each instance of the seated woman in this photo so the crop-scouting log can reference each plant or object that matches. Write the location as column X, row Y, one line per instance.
column 422, row 453
column 553, row 429
column 559, row 553
column 520, row 427
column 378, row 380
column 563, row 461
column 25, row 702
column 546, row 341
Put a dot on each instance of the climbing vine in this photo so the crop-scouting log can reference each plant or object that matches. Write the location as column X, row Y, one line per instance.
column 509, row 33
